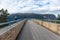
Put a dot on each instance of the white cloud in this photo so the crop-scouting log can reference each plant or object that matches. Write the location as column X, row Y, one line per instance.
column 29, row 5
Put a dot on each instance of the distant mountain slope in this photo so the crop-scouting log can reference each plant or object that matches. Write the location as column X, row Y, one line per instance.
column 30, row 15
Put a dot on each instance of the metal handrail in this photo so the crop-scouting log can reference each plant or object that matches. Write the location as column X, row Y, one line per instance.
column 9, row 22
column 49, row 20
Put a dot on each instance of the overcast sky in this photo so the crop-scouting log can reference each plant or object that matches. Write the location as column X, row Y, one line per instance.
column 29, row 5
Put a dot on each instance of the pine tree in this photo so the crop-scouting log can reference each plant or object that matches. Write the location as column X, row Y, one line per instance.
column 4, row 15
column 58, row 16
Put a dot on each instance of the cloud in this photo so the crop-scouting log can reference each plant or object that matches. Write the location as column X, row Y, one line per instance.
column 29, row 5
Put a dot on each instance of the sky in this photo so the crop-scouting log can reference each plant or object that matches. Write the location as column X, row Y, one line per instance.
column 15, row 6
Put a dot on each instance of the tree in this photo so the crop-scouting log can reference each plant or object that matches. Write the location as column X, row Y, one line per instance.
column 4, row 15
column 58, row 16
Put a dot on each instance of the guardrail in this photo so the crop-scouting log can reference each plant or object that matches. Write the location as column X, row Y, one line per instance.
column 8, row 23
column 49, row 20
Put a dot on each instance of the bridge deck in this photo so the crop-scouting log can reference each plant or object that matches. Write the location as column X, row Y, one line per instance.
column 32, row 31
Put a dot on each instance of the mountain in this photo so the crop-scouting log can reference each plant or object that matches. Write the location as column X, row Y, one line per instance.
column 30, row 15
